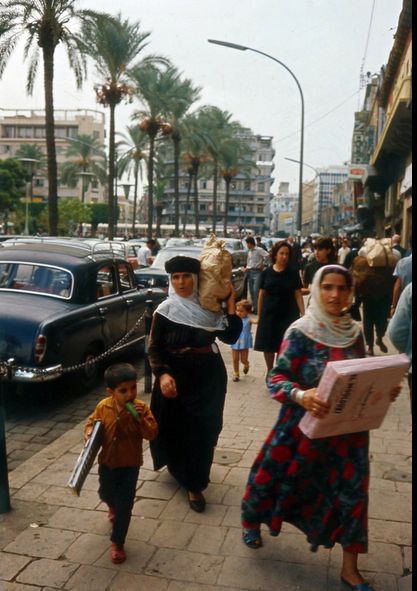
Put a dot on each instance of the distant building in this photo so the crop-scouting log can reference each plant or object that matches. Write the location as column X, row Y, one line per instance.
column 24, row 126
column 326, row 180
column 283, row 209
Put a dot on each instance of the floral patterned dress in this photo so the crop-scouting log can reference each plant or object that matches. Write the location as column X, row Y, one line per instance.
column 318, row 485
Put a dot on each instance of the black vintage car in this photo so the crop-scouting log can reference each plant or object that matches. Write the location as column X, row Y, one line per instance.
column 62, row 303
column 155, row 276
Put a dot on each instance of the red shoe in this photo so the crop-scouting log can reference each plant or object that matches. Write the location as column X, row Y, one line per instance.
column 117, row 554
column 111, row 514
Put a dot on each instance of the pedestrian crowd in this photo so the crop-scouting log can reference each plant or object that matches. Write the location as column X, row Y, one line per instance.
column 318, row 485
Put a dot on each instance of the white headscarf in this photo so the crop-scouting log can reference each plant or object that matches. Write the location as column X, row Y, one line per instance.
column 188, row 310
column 324, row 328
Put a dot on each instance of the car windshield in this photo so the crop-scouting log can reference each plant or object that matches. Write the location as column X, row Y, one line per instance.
column 35, row 278
column 178, row 242
column 165, row 255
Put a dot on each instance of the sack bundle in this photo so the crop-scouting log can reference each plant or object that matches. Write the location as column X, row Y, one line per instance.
column 379, row 253
column 214, row 283
column 373, row 282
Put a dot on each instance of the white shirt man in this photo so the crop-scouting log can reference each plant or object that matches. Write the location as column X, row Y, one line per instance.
column 144, row 256
column 342, row 253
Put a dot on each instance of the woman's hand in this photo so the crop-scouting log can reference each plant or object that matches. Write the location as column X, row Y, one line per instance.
column 168, row 386
column 394, row 393
column 231, row 302
column 313, row 404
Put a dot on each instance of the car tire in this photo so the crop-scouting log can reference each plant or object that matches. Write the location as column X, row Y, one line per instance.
column 89, row 375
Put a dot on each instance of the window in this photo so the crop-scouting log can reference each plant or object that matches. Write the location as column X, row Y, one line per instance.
column 125, row 278
column 8, row 131
column 106, row 284
column 261, row 187
column 36, row 278
column 246, row 185
column 40, row 132
column 24, row 132
column 260, row 209
column 39, row 183
column 6, row 149
column 72, row 131
column 203, row 184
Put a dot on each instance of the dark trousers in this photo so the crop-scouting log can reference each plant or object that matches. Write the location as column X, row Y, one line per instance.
column 118, row 489
column 375, row 315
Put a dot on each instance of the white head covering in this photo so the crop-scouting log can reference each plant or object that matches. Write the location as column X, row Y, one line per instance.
column 324, row 328
column 188, row 310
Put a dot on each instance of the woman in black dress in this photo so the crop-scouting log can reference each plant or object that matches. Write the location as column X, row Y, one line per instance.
column 280, row 302
column 191, row 379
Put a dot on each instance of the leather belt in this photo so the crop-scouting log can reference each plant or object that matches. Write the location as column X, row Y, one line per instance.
column 206, row 349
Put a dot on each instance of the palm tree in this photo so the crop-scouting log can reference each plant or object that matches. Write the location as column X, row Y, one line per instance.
column 234, row 159
column 181, row 97
column 44, row 24
column 219, row 129
column 34, row 152
column 195, row 154
column 156, row 89
column 85, row 155
column 134, row 144
column 114, row 45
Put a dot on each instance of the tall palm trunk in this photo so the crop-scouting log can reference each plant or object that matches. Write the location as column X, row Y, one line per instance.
column 176, row 138
column 187, row 202
column 215, row 183
column 111, row 213
column 227, row 181
column 196, row 212
column 135, row 195
column 48, row 64
column 150, row 181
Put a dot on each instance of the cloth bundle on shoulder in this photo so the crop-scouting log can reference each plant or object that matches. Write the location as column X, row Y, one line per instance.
column 379, row 253
column 215, row 282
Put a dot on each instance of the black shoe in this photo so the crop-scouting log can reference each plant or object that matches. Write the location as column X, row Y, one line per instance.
column 360, row 587
column 370, row 351
column 198, row 505
column 382, row 345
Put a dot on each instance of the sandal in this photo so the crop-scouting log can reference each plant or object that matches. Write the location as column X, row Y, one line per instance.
column 117, row 554
column 252, row 538
column 360, row 587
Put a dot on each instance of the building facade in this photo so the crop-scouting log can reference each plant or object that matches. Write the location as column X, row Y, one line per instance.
column 283, row 209
column 250, row 195
column 325, row 182
column 388, row 178
column 22, row 127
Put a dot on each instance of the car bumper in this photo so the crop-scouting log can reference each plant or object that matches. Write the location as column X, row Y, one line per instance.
column 36, row 374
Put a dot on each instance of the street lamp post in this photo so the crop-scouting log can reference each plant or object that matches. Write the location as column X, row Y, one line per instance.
column 29, row 163
column 300, row 183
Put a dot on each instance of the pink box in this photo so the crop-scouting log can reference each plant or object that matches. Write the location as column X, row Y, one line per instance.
column 358, row 392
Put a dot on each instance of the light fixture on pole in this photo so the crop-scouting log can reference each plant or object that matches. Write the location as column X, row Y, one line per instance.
column 29, row 164
column 300, row 184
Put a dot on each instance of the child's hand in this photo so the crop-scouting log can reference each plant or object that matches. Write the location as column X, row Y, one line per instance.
column 87, row 435
column 168, row 386
column 138, row 407
column 254, row 320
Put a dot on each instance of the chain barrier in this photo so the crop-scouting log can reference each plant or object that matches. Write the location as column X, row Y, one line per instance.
column 9, row 367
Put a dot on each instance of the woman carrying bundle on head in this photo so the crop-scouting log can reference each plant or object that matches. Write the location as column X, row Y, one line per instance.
column 190, row 387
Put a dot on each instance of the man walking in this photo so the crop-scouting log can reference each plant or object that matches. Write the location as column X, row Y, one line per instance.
column 258, row 259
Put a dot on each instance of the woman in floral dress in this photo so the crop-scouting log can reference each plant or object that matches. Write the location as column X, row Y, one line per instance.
column 318, row 485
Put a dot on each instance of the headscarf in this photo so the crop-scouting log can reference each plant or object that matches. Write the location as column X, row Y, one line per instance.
column 188, row 310
column 327, row 329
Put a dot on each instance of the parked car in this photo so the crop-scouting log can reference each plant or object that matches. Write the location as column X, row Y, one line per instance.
column 155, row 276
column 63, row 303
column 178, row 242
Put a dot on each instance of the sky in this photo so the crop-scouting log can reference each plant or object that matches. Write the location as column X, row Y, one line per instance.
column 325, row 43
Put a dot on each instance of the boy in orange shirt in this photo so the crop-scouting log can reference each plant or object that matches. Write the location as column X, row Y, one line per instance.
column 121, row 453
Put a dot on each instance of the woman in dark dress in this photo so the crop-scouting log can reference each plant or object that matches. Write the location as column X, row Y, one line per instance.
column 190, row 387
column 318, row 485
column 280, row 302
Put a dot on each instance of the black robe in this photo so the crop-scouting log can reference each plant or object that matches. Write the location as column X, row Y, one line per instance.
column 190, row 424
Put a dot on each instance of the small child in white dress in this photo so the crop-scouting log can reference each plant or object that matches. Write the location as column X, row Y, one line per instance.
column 240, row 350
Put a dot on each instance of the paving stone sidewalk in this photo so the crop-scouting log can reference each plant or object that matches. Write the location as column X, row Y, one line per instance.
column 54, row 540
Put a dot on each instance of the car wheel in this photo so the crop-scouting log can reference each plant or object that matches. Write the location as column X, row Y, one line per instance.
column 90, row 374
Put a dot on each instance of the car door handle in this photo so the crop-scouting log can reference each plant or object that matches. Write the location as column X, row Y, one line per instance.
column 103, row 309
column 129, row 301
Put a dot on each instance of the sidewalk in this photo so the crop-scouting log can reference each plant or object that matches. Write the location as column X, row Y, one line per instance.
column 54, row 540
